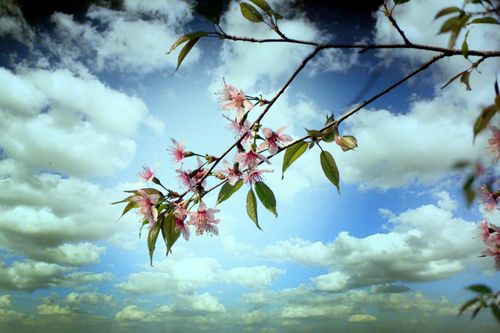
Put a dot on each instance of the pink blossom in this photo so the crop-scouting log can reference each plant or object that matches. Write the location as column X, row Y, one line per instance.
column 490, row 234
column 177, row 151
column 240, row 128
column 146, row 174
column 274, row 140
column 183, row 176
column 180, row 215
column 489, row 199
column 231, row 173
column 484, row 231
column 190, row 179
column 147, row 207
column 235, row 100
column 494, row 142
column 254, row 175
column 204, row 220
column 250, row 159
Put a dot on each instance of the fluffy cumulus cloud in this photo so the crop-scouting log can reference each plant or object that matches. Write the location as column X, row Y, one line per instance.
column 46, row 131
column 252, row 65
column 422, row 244
column 397, row 149
column 13, row 24
column 30, row 275
column 133, row 40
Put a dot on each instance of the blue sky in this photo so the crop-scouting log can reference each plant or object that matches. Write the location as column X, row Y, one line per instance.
column 86, row 100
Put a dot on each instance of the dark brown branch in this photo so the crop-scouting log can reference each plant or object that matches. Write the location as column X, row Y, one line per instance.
column 348, row 114
column 363, row 46
column 268, row 106
column 395, row 25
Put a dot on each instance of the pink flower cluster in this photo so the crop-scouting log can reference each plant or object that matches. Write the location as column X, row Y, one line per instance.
column 235, row 100
column 490, row 234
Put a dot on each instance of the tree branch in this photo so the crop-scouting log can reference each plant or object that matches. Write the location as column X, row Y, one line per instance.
column 362, row 46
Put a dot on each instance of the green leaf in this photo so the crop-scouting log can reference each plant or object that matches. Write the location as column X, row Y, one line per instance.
column 211, row 10
column 266, row 196
column 476, row 311
column 185, row 50
column 315, row 133
column 252, row 208
column 128, row 207
column 169, row 231
column 228, row 190
column 484, row 119
column 495, row 310
column 399, row 2
column 469, row 192
column 484, row 20
column 264, row 6
column 480, row 289
column 449, row 24
column 250, row 12
column 124, row 200
column 467, row 304
column 348, row 142
column 453, row 79
column 465, row 46
column 446, row 11
column 152, row 237
column 330, row 168
column 292, row 153
column 497, row 102
column 186, row 38
column 465, row 80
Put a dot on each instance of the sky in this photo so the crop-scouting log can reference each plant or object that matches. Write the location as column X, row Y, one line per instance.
column 89, row 96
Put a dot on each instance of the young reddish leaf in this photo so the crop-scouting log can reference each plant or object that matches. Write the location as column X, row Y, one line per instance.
column 465, row 80
column 266, row 196
column 292, row 153
column 228, row 190
column 152, row 237
column 484, row 119
column 250, row 12
column 330, row 168
column 124, row 200
column 185, row 38
column 348, row 142
column 185, row 50
column 484, row 20
column 446, row 11
column 252, row 208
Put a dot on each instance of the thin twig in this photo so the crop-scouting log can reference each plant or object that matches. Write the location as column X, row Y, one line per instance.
column 362, row 46
column 264, row 112
column 350, row 113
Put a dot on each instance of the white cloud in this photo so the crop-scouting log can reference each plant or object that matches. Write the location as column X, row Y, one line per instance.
column 88, row 298
column 47, row 131
column 29, row 275
column 134, row 314
column 254, row 277
column 200, row 303
column 53, row 310
column 422, row 244
column 13, row 24
column 361, row 318
column 129, row 42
